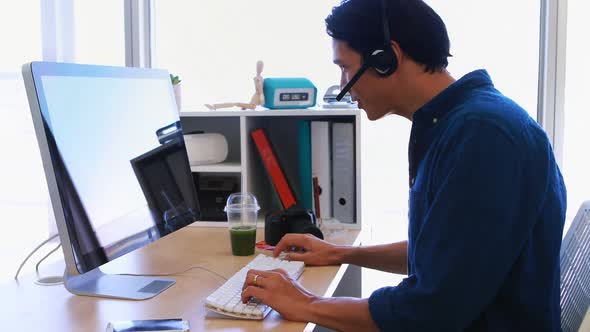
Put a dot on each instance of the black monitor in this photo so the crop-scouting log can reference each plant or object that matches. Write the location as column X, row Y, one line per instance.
column 116, row 167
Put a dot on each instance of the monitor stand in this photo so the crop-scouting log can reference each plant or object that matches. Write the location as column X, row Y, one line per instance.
column 97, row 283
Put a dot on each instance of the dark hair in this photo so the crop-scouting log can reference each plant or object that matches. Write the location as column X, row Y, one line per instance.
column 416, row 27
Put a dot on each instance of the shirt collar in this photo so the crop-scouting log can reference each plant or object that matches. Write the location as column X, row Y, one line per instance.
column 452, row 96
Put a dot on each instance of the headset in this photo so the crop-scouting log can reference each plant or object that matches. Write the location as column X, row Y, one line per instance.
column 383, row 60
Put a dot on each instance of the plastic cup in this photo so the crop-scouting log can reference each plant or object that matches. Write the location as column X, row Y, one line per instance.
column 242, row 214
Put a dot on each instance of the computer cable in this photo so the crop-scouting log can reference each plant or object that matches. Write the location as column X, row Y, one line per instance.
column 45, row 257
column 56, row 280
column 31, row 254
column 175, row 273
column 50, row 280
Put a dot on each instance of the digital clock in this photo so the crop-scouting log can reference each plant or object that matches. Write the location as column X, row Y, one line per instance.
column 294, row 96
column 285, row 93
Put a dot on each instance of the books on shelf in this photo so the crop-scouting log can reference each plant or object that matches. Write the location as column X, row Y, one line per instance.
column 316, row 197
column 325, row 176
column 343, row 172
column 273, row 168
column 321, row 165
column 304, row 157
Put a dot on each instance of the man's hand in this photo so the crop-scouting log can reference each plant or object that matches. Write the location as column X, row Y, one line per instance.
column 277, row 290
column 285, row 295
column 309, row 249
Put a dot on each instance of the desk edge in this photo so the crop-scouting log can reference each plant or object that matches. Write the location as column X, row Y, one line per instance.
column 335, row 282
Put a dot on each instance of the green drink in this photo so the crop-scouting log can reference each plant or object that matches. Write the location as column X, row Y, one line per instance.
column 242, row 212
column 243, row 240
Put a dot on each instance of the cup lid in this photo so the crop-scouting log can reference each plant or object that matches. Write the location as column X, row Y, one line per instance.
column 242, row 201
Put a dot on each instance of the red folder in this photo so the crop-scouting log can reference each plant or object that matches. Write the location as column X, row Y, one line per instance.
column 316, row 196
column 273, row 168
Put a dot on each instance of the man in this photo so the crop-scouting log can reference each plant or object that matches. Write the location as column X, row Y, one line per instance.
column 487, row 200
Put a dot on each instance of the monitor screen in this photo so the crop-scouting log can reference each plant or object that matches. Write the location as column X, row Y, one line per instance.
column 118, row 156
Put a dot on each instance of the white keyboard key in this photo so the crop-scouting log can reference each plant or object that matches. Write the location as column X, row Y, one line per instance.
column 248, row 309
column 240, row 308
column 258, row 310
column 231, row 304
column 227, row 299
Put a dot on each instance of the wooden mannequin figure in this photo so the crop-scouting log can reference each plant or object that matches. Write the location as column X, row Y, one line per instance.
column 257, row 98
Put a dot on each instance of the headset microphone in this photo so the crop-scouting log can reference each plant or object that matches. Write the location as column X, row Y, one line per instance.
column 350, row 83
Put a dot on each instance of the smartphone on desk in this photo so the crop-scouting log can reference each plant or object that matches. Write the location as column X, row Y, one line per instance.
column 149, row 325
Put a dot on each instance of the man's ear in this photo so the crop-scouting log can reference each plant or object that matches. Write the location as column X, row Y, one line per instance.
column 398, row 51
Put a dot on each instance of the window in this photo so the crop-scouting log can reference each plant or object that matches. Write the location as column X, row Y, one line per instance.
column 499, row 36
column 214, row 46
column 99, row 36
column 218, row 62
column 23, row 192
column 576, row 163
column 24, row 200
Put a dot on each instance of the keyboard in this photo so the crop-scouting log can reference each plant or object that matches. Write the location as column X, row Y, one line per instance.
column 227, row 299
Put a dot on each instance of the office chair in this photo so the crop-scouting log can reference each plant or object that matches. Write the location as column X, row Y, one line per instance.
column 575, row 271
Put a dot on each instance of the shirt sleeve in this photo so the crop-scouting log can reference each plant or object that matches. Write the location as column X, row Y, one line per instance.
column 471, row 235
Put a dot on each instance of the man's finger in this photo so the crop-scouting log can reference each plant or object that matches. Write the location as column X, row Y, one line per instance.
column 261, row 281
column 255, row 280
column 281, row 271
column 266, row 274
column 295, row 256
column 288, row 241
column 251, row 291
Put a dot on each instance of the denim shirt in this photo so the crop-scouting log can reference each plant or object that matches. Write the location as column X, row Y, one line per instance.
column 486, row 213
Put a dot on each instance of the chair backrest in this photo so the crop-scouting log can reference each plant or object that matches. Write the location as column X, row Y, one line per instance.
column 575, row 271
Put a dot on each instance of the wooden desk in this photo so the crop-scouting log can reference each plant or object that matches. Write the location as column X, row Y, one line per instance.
column 29, row 307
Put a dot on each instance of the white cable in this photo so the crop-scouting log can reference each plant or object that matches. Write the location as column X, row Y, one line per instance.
column 31, row 254
column 175, row 273
column 50, row 280
column 44, row 257
column 56, row 281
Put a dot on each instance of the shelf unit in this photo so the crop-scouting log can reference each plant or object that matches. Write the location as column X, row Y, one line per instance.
column 281, row 128
column 224, row 167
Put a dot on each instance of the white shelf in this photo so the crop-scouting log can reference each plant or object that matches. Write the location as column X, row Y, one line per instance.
column 269, row 112
column 282, row 130
column 224, row 167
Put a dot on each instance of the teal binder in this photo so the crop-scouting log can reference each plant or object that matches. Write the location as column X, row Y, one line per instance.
column 304, row 150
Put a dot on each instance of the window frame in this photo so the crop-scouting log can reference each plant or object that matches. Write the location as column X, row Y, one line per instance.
column 552, row 71
column 139, row 33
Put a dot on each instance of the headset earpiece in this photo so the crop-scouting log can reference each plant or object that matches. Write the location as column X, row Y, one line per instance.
column 383, row 61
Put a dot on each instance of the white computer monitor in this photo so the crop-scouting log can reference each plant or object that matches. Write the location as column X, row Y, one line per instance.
column 116, row 167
